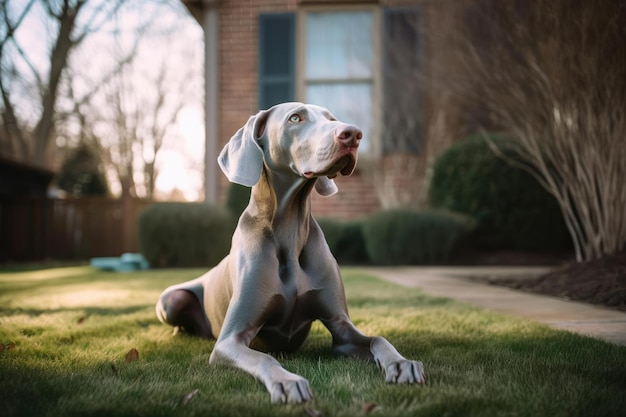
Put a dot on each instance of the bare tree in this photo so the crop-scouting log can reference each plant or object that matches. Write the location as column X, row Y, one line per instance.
column 70, row 22
column 551, row 72
column 14, row 140
column 140, row 120
column 131, row 113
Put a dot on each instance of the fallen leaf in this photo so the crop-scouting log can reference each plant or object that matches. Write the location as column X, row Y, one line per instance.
column 187, row 397
column 313, row 412
column 368, row 407
column 132, row 355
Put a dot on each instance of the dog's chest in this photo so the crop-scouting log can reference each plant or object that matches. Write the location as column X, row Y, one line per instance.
column 292, row 305
column 291, row 310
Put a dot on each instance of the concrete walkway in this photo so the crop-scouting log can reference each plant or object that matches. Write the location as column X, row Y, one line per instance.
column 453, row 282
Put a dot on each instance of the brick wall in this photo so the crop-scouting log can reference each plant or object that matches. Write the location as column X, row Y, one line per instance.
column 356, row 198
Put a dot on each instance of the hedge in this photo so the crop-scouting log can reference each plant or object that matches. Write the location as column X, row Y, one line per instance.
column 193, row 234
column 237, row 199
column 345, row 239
column 403, row 237
column 512, row 210
column 184, row 234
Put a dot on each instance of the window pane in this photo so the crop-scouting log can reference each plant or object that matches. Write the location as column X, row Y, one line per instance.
column 276, row 32
column 276, row 59
column 275, row 93
column 350, row 103
column 339, row 45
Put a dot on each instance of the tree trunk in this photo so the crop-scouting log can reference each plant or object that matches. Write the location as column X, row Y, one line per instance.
column 58, row 62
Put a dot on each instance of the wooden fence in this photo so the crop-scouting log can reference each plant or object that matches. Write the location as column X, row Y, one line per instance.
column 33, row 229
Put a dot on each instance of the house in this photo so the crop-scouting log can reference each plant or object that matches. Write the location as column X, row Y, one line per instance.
column 23, row 190
column 360, row 59
column 20, row 179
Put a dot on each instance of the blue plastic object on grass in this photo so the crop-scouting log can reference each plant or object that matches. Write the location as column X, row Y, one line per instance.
column 125, row 263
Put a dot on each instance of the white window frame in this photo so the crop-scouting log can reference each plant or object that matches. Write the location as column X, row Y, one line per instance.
column 375, row 146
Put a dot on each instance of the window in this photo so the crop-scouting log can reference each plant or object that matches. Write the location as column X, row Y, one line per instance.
column 339, row 67
column 361, row 63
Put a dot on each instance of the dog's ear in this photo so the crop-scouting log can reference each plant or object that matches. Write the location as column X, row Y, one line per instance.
column 242, row 157
column 325, row 186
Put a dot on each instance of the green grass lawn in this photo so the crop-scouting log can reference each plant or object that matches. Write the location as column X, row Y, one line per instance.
column 66, row 333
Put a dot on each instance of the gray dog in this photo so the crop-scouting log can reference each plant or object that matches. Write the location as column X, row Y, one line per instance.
column 280, row 275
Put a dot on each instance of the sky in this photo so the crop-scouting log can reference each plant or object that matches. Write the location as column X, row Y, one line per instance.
column 174, row 39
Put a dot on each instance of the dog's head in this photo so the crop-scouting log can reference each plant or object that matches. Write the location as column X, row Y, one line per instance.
column 296, row 139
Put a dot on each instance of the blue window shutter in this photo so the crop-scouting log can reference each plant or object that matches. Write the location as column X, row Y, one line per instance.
column 402, row 89
column 277, row 58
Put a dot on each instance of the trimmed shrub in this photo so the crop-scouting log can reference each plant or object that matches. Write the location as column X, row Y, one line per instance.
column 237, row 199
column 184, row 234
column 345, row 239
column 403, row 237
column 512, row 210
column 82, row 173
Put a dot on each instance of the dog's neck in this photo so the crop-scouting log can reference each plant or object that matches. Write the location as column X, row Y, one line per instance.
column 281, row 197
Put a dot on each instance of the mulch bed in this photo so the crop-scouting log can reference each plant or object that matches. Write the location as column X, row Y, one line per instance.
column 601, row 281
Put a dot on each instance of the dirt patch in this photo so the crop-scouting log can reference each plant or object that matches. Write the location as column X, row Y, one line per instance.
column 602, row 281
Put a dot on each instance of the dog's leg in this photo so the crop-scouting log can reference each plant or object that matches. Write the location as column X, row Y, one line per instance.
column 182, row 309
column 246, row 316
column 347, row 340
column 283, row 386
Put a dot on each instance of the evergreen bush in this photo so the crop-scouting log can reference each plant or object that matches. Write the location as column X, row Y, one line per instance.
column 237, row 199
column 184, row 234
column 82, row 173
column 345, row 239
column 512, row 210
column 404, row 237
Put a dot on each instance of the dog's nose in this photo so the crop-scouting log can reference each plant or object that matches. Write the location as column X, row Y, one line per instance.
column 348, row 135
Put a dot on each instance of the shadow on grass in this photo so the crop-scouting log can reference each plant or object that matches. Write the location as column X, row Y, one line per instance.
column 84, row 311
column 398, row 302
column 115, row 280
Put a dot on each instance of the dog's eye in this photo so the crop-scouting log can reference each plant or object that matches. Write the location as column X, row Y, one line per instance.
column 295, row 118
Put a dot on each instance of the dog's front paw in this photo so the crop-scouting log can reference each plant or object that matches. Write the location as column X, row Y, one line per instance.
column 291, row 389
column 405, row 372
